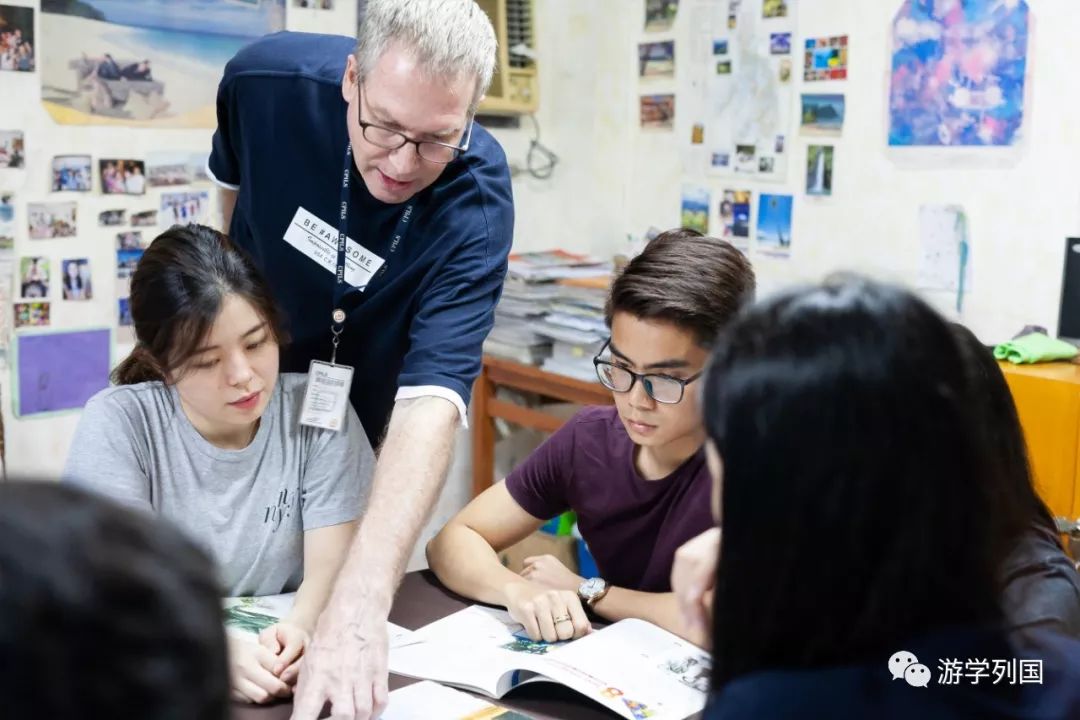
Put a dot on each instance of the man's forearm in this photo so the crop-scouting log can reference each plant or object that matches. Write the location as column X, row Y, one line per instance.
column 409, row 475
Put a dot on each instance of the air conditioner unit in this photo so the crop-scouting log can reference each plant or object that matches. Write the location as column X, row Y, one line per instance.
column 515, row 86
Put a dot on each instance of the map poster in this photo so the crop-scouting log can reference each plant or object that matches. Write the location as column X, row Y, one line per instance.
column 958, row 72
column 749, row 93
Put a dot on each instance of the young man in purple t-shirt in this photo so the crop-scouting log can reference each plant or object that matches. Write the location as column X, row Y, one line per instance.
column 635, row 473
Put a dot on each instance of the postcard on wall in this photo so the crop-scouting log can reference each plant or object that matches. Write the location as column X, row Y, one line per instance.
column 51, row 220
column 31, row 314
column 826, row 59
column 656, row 59
column 774, row 8
column 108, row 218
column 735, row 207
column 314, row 4
column 144, row 218
column 945, row 251
column 166, row 168
column 774, row 224
column 958, row 77
column 695, row 209
column 181, row 208
column 819, row 170
column 660, row 14
column 122, row 177
column 130, row 240
column 71, row 173
column 12, row 149
column 822, row 114
column 780, row 43
column 7, row 222
column 17, row 38
column 156, row 64
column 77, row 283
column 48, row 380
column 34, row 277
column 657, row 112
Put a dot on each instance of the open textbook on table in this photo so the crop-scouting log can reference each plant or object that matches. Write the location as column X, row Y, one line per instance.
column 632, row 667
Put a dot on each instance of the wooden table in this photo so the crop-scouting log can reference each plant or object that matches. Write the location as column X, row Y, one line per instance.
column 496, row 373
column 421, row 599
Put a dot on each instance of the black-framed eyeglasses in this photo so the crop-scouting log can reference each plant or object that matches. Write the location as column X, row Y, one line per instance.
column 430, row 150
column 661, row 388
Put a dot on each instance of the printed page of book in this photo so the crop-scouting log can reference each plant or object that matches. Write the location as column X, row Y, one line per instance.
column 251, row 615
column 430, row 701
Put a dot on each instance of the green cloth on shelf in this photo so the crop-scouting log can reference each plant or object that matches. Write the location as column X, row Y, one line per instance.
column 1035, row 348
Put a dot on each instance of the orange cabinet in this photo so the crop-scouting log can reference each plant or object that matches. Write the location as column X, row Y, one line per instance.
column 1048, row 400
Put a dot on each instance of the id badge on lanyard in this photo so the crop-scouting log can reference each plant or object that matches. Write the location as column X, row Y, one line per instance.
column 326, row 398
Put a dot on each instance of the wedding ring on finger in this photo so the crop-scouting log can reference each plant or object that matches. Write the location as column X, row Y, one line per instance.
column 561, row 619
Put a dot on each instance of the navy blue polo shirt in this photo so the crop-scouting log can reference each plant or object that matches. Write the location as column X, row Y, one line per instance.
column 418, row 326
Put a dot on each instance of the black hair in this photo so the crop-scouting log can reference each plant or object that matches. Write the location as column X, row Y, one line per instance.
column 695, row 282
column 177, row 292
column 854, row 510
column 104, row 612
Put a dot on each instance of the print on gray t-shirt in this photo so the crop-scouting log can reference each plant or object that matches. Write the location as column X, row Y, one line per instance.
column 249, row 508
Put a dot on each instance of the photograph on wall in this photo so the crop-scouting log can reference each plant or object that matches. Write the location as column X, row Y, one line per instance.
column 774, row 8
column 122, row 177
column 16, row 38
column 748, row 105
column 656, row 59
column 51, row 220
column 774, row 224
column 12, row 149
column 7, row 220
column 826, row 59
column 108, row 218
column 780, row 43
column 657, row 112
column 76, row 284
column 735, row 217
column 31, row 314
column 957, row 78
column 695, row 209
column 131, row 240
column 126, row 261
column 819, row 170
column 822, row 114
column 181, row 208
column 34, row 277
column 71, row 173
column 314, row 4
column 144, row 218
column 145, row 62
column 165, row 168
column 660, row 14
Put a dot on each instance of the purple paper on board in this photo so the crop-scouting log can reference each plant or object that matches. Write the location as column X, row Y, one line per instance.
column 61, row 371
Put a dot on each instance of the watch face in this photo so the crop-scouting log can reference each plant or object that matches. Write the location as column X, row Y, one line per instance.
column 592, row 586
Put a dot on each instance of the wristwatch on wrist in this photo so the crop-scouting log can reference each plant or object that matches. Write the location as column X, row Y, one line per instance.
column 593, row 590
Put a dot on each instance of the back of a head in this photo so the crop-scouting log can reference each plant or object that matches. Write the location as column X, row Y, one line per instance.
column 449, row 38
column 104, row 613
column 177, row 292
column 695, row 282
column 853, row 504
column 1016, row 503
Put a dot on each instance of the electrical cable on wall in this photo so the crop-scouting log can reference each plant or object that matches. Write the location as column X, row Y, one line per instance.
column 547, row 159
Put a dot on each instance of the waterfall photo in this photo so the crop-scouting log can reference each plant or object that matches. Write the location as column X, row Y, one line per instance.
column 819, row 168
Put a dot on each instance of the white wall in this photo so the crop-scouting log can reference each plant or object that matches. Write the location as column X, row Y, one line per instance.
column 613, row 179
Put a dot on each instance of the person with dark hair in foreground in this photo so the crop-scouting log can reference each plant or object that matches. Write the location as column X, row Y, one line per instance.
column 634, row 474
column 862, row 542
column 104, row 613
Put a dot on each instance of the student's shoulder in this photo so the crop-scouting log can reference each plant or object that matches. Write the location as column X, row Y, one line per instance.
column 145, row 401
column 597, row 422
column 292, row 55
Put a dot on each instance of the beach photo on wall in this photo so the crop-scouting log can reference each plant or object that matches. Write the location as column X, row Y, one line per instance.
column 774, row 224
column 822, row 114
column 144, row 62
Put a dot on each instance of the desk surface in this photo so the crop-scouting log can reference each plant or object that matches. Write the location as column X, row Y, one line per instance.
column 421, row 599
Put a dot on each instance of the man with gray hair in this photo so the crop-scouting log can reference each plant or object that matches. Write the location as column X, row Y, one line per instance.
column 382, row 218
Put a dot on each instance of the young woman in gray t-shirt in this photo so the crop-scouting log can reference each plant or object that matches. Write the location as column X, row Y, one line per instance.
column 203, row 430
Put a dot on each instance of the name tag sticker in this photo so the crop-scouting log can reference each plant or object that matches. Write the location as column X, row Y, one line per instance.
column 327, row 395
column 318, row 240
